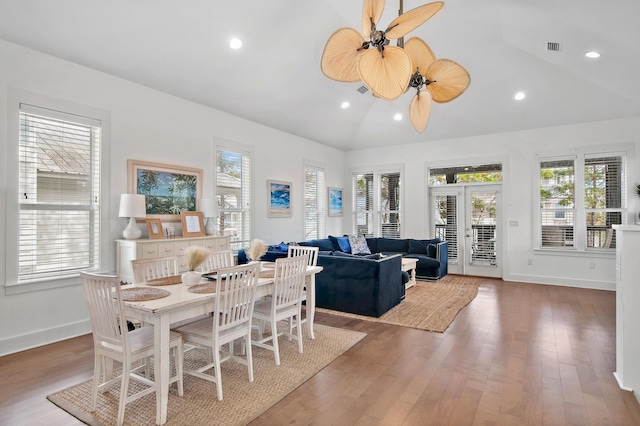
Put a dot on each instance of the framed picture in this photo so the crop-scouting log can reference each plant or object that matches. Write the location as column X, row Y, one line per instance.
column 192, row 224
column 279, row 201
column 335, row 201
column 168, row 190
column 155, row 228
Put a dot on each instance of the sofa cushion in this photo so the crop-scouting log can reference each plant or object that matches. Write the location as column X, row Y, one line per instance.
column 339, row 253
column 323, row 244
column 372, row 243
column 424, row 261
column 358, row 245
column 432, row 250
column 393, row 245
column 279, row 247
column 334, row 243
column 325, row 252
column 417, row 247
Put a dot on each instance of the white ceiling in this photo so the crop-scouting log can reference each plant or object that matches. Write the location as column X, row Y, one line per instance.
column 181, row 47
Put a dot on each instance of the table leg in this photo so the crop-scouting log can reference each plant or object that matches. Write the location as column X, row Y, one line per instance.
column 161, row 363
column 311, row 303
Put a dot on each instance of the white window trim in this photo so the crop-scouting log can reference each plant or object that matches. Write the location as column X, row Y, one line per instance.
column 579, row 154
column 14, row 98
column 220, row 144
column 377, row 171
column 323, row 193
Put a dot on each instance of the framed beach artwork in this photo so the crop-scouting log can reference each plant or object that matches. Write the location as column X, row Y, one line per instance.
column 335, row 201
column 168, row 190
column 279, row 198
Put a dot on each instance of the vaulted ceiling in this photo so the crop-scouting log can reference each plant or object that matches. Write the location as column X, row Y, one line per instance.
column 182, row 48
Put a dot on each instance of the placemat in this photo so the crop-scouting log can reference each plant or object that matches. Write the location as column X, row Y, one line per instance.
column 269, row 273
column 173, row 279
column 139, row 294
column 202, row 288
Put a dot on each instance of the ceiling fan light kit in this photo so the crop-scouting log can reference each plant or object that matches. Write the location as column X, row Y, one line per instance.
column 390, row 71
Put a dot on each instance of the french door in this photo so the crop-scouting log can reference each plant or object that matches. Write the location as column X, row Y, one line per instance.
column 468, row 218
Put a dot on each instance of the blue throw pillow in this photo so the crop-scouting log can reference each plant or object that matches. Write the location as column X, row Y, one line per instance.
column 343, row 243
column 359, row 245
column 334, row 243
column 432, row 249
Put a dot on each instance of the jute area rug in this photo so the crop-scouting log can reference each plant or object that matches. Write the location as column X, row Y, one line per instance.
column 430, row 306
column 243, row 401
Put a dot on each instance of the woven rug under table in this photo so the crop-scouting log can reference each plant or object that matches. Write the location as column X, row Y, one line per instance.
column 243, row 401
column 428, row 305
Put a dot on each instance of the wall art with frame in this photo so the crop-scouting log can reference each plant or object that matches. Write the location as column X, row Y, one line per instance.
column 192, row 224
column 154, row 226
column 168, row 189
column 334, row 201
column 279, row 198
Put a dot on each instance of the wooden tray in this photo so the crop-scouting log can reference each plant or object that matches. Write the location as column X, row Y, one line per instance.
column 173, row 279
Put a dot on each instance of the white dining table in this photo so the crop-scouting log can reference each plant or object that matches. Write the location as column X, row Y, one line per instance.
column 182, row 305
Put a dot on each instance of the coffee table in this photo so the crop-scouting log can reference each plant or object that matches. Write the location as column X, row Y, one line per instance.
column 409, row 265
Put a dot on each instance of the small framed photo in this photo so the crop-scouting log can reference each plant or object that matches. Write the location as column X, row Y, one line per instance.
column 155, row 228
column 192, row 224
column 279, row 201
column 335, row 201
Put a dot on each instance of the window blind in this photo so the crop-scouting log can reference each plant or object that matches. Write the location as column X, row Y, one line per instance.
column 59, row 189
column 389, row 213
column 364, row 205
column 233, row 192
column 314, row 203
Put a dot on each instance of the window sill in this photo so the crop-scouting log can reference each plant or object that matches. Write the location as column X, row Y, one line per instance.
column 571, row 252
column 39, row 285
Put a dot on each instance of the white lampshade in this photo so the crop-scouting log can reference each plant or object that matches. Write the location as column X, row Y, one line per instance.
column 209, row 209
column 132, row 206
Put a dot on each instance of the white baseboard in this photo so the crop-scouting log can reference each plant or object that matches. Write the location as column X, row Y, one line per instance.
column 44, row 337
column 567, row 282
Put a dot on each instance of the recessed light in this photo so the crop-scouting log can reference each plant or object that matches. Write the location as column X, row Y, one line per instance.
column 519, row 96
column 235, row 43
column 397, row 117
column 345, row 105
column 593, row 54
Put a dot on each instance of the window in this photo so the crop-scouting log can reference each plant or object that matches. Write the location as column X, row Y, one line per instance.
column 313, row 202
column 59, row 194
column 377, row 211
column 233, row 191
column 580, row 199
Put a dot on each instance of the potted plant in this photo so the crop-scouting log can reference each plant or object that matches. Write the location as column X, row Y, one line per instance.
column 195, row 257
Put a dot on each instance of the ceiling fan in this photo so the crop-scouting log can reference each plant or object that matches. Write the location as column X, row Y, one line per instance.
column 389, row 71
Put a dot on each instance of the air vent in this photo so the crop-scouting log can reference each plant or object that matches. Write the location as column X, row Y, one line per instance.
column 363, row 89
column 554, row 47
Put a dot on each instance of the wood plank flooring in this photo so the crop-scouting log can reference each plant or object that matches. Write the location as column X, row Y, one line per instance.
column 518, row 354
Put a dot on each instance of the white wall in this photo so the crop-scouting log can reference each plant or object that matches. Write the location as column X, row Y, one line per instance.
column 517, row 150
column 151, row 126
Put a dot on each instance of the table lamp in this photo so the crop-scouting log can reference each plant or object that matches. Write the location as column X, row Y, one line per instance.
column 209, row 209
column 132, row 206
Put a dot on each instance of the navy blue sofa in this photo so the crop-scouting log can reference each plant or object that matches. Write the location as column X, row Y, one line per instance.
column 365, row 284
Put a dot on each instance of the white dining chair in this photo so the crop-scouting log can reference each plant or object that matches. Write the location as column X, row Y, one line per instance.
column 313, row 261
column 285, row 303
column 231, row 320
column 150, row 269
column 112, row 342
column 217, row 260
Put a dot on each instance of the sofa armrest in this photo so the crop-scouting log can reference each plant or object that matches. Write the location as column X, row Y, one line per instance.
column 442, row 255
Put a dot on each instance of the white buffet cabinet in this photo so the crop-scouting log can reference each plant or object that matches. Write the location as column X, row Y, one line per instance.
column 147, row 248
column 628, row 308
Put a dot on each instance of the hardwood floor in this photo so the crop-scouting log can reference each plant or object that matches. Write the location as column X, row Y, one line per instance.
column 517, row 354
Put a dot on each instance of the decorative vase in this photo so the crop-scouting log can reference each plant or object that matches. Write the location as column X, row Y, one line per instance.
column 191, row 278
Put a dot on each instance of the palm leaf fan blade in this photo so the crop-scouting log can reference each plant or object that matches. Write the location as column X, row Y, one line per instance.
column 420, row 110
column 412, row 19
column 387, row 76
column 340, row 55
column 371, row 11
column 420, row 53
column 449, row 78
